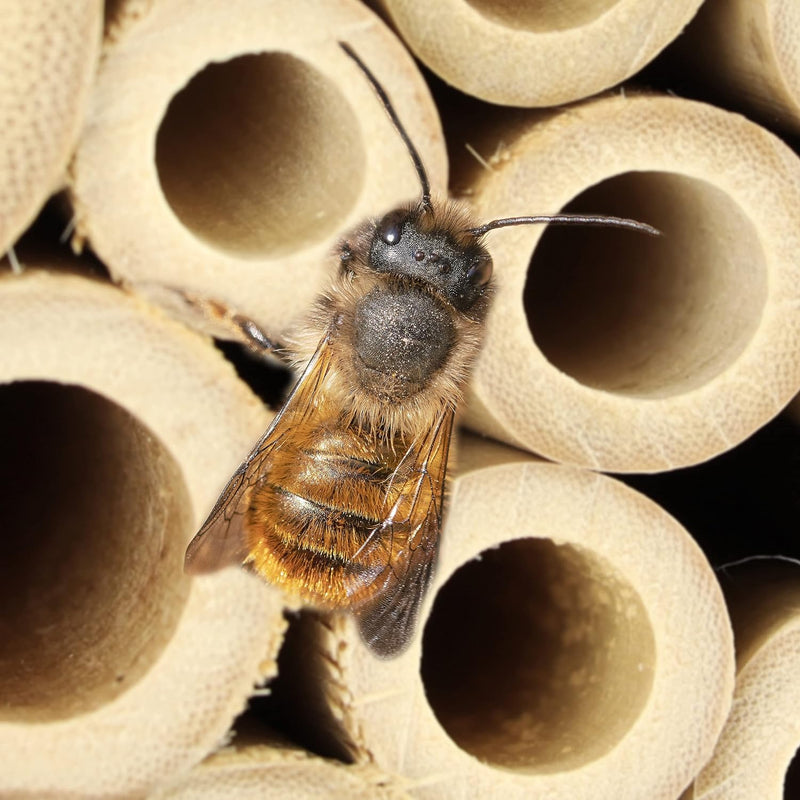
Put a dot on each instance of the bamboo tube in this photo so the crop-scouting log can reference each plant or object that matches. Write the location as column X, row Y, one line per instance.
column 576, row 644
column 763, row 731
column 49, row 52
column 512, row 53
column 261, row 772
column 116, row 670
column 228, row 146
column 622, row 352
column 746, row 53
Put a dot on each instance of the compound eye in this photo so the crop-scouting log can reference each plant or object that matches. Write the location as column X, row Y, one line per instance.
column 480, row 272
column 390, row 228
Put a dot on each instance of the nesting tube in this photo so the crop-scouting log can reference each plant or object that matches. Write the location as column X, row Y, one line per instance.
column 619, row 351
column 512, row 53
column 762, row 733
column 264, row 772
column 49, row 52
column 574, row 643
column 746, row 53
column 118, row 429
column 227, row 148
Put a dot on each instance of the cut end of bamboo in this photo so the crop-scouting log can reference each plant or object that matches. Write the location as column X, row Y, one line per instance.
column 648, row 317
column 80, row 475
column 745, row 54
column 263, row 772
column 229, row 164
column 542, row 18
column 762, row 734
column 260, row 156
column 617, row 351
column 117, row 671
column 512, row 53
column 557, row 666
column 551, row 658
column 49, row 52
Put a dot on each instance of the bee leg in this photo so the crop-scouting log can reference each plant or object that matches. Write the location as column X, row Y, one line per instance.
column 210, row 316
column 223, row 322
column 253, row 337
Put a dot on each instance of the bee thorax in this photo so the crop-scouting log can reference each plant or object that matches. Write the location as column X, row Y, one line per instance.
column 402, row 336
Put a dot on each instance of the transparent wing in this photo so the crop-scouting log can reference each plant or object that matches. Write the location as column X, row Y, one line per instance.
column 387, row 619
column 220, row 541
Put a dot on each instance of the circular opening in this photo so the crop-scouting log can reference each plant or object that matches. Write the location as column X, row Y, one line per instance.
column 648, row 316
column 94, row 521
column 260, row 155
column 541, row 16
column 537, row 657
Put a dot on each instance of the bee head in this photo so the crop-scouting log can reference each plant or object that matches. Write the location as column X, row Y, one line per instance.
column 435, row 250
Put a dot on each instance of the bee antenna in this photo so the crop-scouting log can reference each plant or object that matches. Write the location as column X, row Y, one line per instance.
column 387, row 104
column 567, row 219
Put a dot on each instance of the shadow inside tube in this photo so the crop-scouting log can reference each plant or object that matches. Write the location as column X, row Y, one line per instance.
column 648, row 316
column 94, row 517
column 260, row 156
column 537, row 657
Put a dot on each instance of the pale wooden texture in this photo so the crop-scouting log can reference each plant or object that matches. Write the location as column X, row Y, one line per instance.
column 135, row 672
column 519, row 53
column 277, row 147
column 633, row 353
column 748, row 53
column 593, row 658
column 762, row 733
column 49, row 52
column 270, row 773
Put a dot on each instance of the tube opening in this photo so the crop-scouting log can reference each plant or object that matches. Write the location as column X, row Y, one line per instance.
column 542, row 16
column 260, row 156
column 643, row 316
column 537, row 657
column 93, row 525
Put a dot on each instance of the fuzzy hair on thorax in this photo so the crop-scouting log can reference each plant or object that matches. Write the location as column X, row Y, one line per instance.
column 333, row 315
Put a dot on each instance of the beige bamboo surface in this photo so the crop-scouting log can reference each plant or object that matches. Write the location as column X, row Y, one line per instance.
column 622, row 352
column 762, row 733
column 49, row 53
column 748, row 53
column 576, row 643
column 116, row 671
column 228, row 145
column 589, row 656
column 262, row 772
column 537, row 54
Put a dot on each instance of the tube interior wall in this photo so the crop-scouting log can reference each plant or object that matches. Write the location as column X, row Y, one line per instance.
column 648, row 316
column 541, row 17
column 261, row 155
column 537, row 657
column 94, row 519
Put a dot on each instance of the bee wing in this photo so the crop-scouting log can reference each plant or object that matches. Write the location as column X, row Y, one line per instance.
column 387, row 620
column 220, row 541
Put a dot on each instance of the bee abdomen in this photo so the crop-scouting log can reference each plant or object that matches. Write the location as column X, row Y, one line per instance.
column 324, row 506
column 308, row 524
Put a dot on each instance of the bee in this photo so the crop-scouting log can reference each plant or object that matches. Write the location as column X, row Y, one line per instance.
column 340, row 503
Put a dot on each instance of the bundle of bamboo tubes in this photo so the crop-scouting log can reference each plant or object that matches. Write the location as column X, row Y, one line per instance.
column 577, row 640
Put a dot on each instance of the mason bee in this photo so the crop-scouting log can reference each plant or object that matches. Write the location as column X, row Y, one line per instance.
column 340, row 502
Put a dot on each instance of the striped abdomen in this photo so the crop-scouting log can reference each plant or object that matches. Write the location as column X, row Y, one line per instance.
column 316, row 523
